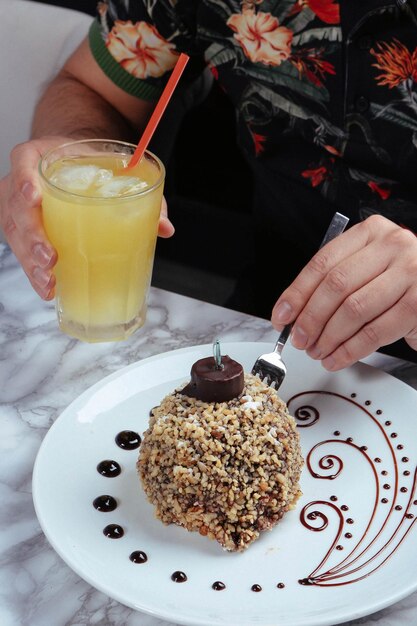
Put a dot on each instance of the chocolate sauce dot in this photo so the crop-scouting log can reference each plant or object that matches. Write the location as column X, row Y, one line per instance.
column 349, row 439
column 256, row 588
column 336, row 433
column 349, row 520
column 138, row 557
column 344, row 507
column 333, row 498
column 377, row 460
column 178, row 577
column 368, row 402
column 113, row 531
column 409, row 516
column 280, row 585
column 384, row 472
column 403, row 489
column 387, row 423
column 394, row 435
column 406, row 473
column 415, row 502
column 109, row 468
column 405, row 459
column 398, row 507
column 348, row 535
column 353, row 395
column 364, row 448
column 105, row 503
column 379, row 412
column 384, row 500
column 306, row 581
column 339, row 547
column 218, row 586
column 387, row 486
column 400, row 446
column 128, row 440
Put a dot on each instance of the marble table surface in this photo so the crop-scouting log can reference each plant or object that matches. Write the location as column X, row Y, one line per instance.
column 41, row 372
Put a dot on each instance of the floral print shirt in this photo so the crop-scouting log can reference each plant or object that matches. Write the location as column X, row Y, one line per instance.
column 325, row 90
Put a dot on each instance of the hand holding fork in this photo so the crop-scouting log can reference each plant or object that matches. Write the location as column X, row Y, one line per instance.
column 270, row 366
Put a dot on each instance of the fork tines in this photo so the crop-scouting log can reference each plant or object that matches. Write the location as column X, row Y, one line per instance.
column 268, row 373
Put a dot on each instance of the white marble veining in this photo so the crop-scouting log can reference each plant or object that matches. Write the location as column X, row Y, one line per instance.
column 41, row 372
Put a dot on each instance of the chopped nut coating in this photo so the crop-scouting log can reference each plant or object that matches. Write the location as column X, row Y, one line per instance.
column 227, row 470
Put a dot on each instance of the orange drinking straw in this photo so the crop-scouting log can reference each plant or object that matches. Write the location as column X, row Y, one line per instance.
column 159, row 109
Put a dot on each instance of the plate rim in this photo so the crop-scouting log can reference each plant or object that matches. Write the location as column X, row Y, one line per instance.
column 162, row 613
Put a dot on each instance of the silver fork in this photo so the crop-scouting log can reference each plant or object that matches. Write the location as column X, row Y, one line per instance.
column 270, row 367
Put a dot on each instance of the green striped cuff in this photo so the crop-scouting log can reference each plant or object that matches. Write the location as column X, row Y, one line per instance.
column 116, row 73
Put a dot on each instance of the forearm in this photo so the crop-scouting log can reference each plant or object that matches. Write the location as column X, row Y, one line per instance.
column 71, row 109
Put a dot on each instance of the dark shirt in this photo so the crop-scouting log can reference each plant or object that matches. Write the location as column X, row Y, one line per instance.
column 326, row 102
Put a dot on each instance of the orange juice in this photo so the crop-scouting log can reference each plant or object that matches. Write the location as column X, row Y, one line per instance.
column 102, row 219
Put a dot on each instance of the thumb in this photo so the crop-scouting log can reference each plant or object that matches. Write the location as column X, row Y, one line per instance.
column 166, row 228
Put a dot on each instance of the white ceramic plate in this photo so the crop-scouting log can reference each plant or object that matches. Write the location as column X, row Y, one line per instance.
column 348, row 490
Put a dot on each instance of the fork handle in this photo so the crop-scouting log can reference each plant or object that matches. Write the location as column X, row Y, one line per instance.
column 282, row 339
column 336, row 227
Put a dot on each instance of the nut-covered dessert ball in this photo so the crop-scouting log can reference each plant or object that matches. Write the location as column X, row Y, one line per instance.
column 228, row 470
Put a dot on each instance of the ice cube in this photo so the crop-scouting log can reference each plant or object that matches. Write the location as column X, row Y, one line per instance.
column 75, row 177
column 120, row 186
column 102, row 176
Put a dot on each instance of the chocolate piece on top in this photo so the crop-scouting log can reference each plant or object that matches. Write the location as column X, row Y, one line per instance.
column 211, row 383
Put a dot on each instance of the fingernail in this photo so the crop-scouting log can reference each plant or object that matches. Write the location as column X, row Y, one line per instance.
column 41, row 254
column 329, row 363
column 314, row 352
column 169, row 225
column 299, row 338
column 29, row 192
column 282, row 313
column 41, row 277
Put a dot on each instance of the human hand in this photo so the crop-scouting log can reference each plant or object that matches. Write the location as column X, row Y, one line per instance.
column 166, row 229
column 20, row 215
column 21, row 220
column 358, row 293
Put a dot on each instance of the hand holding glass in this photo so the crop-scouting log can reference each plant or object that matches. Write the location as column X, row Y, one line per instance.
column 102, row 218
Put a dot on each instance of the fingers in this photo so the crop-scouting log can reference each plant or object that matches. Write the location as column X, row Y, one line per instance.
column 293, row 299
column 392, row 325
column 358, row 309
column 20, row 217
column 345, row 302
column 347, row 294
column 165, row 228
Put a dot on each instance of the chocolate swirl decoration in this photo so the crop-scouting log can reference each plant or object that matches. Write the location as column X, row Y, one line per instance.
column 326, row 462
column 391, row 518
column 306, row 416
column 307, row 517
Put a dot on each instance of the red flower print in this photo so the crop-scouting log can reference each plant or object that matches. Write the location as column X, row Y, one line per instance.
column 214, row 71
column 310, row 63
column 332, row 150
column 383, row 193
column 327, row 11
column 262, row 39
column 140, row 49
column 259, row 141
column 396, row 63
column 316, row 176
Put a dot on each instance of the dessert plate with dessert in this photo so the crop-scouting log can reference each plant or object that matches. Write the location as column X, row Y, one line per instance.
column 186, row 488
